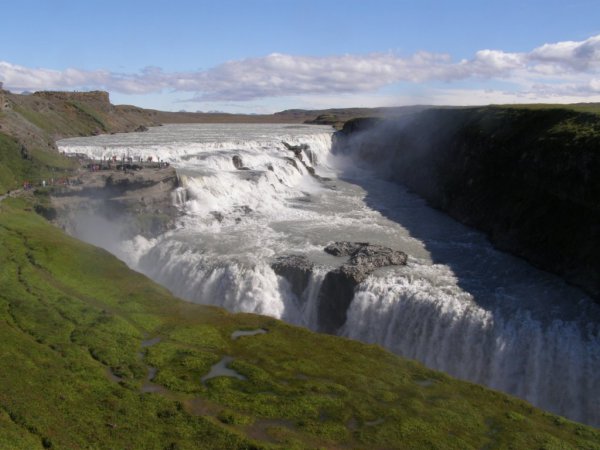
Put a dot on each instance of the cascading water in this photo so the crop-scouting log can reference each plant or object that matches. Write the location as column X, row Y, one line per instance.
column 458, row 306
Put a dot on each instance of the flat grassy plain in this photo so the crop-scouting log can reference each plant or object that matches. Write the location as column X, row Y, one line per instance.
column 80, row 333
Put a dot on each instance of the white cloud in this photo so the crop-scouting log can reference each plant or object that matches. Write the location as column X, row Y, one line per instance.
column 563, row 68
column 577, row 56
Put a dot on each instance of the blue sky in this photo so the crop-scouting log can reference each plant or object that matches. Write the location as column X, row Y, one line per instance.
column 269, row 55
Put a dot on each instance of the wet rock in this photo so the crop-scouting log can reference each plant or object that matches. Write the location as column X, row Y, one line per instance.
column 296, row 269
column 141, row 129
column 337, row 290
column 297, row 149
column 218, row 216
column 343, row 248
column 238, row 163
column 335, row 296
column 293, row 162
column 365, row 256
column 243, row 209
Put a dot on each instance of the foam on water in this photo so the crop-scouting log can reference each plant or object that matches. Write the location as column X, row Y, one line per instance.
column 458, row 306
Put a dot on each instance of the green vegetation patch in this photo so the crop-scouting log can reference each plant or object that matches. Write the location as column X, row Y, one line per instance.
column 19, row 163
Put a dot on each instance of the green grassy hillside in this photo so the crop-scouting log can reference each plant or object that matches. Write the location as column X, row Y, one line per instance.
column 30, row 125
column 76, row 327
column 33, row 164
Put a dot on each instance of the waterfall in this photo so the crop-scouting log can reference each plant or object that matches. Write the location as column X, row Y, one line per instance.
column 459, row 305
column 553, row 365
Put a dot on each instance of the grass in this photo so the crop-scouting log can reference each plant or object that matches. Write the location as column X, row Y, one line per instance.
column 72, row 318
column 593, row 108
column 40, row 164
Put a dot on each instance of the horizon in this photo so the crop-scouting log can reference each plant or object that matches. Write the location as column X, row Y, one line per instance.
column 266, row 56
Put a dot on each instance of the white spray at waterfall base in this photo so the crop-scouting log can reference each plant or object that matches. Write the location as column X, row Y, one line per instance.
column 459, row 305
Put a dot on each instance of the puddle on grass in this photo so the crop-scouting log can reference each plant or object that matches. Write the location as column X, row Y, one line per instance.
column 373, row 423
column 239, row 333
column 148, row 386
column 266, row 429
column 220, row 369
column 112, row 377
column 151, row 342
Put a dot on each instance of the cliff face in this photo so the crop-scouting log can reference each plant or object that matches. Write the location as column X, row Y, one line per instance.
column 528, row 178
column 141, row 202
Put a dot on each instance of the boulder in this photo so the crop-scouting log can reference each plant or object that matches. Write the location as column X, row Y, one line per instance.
column 238, row 163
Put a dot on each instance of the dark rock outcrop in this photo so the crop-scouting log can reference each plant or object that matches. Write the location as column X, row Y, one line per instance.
column 365, row 257
column 300, row 151
column 292, row 162
column 297, row 149
column 296, row 269
column 143, row 201
column 238, row 163
column 312, row 158
column 337, row 290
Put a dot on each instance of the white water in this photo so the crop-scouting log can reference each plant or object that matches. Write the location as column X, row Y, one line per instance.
column 458, row 306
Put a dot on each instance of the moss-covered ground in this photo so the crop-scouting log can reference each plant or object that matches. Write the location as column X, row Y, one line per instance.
column 80, row 331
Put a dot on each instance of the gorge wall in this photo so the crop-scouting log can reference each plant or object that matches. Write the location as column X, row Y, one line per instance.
column 526, row 177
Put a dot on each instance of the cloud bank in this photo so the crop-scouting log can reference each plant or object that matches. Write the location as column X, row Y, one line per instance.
column 561, row 69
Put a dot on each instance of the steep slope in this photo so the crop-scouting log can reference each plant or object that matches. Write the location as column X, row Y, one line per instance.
column 30, row 124
column 95, row 353
column 528, row 177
